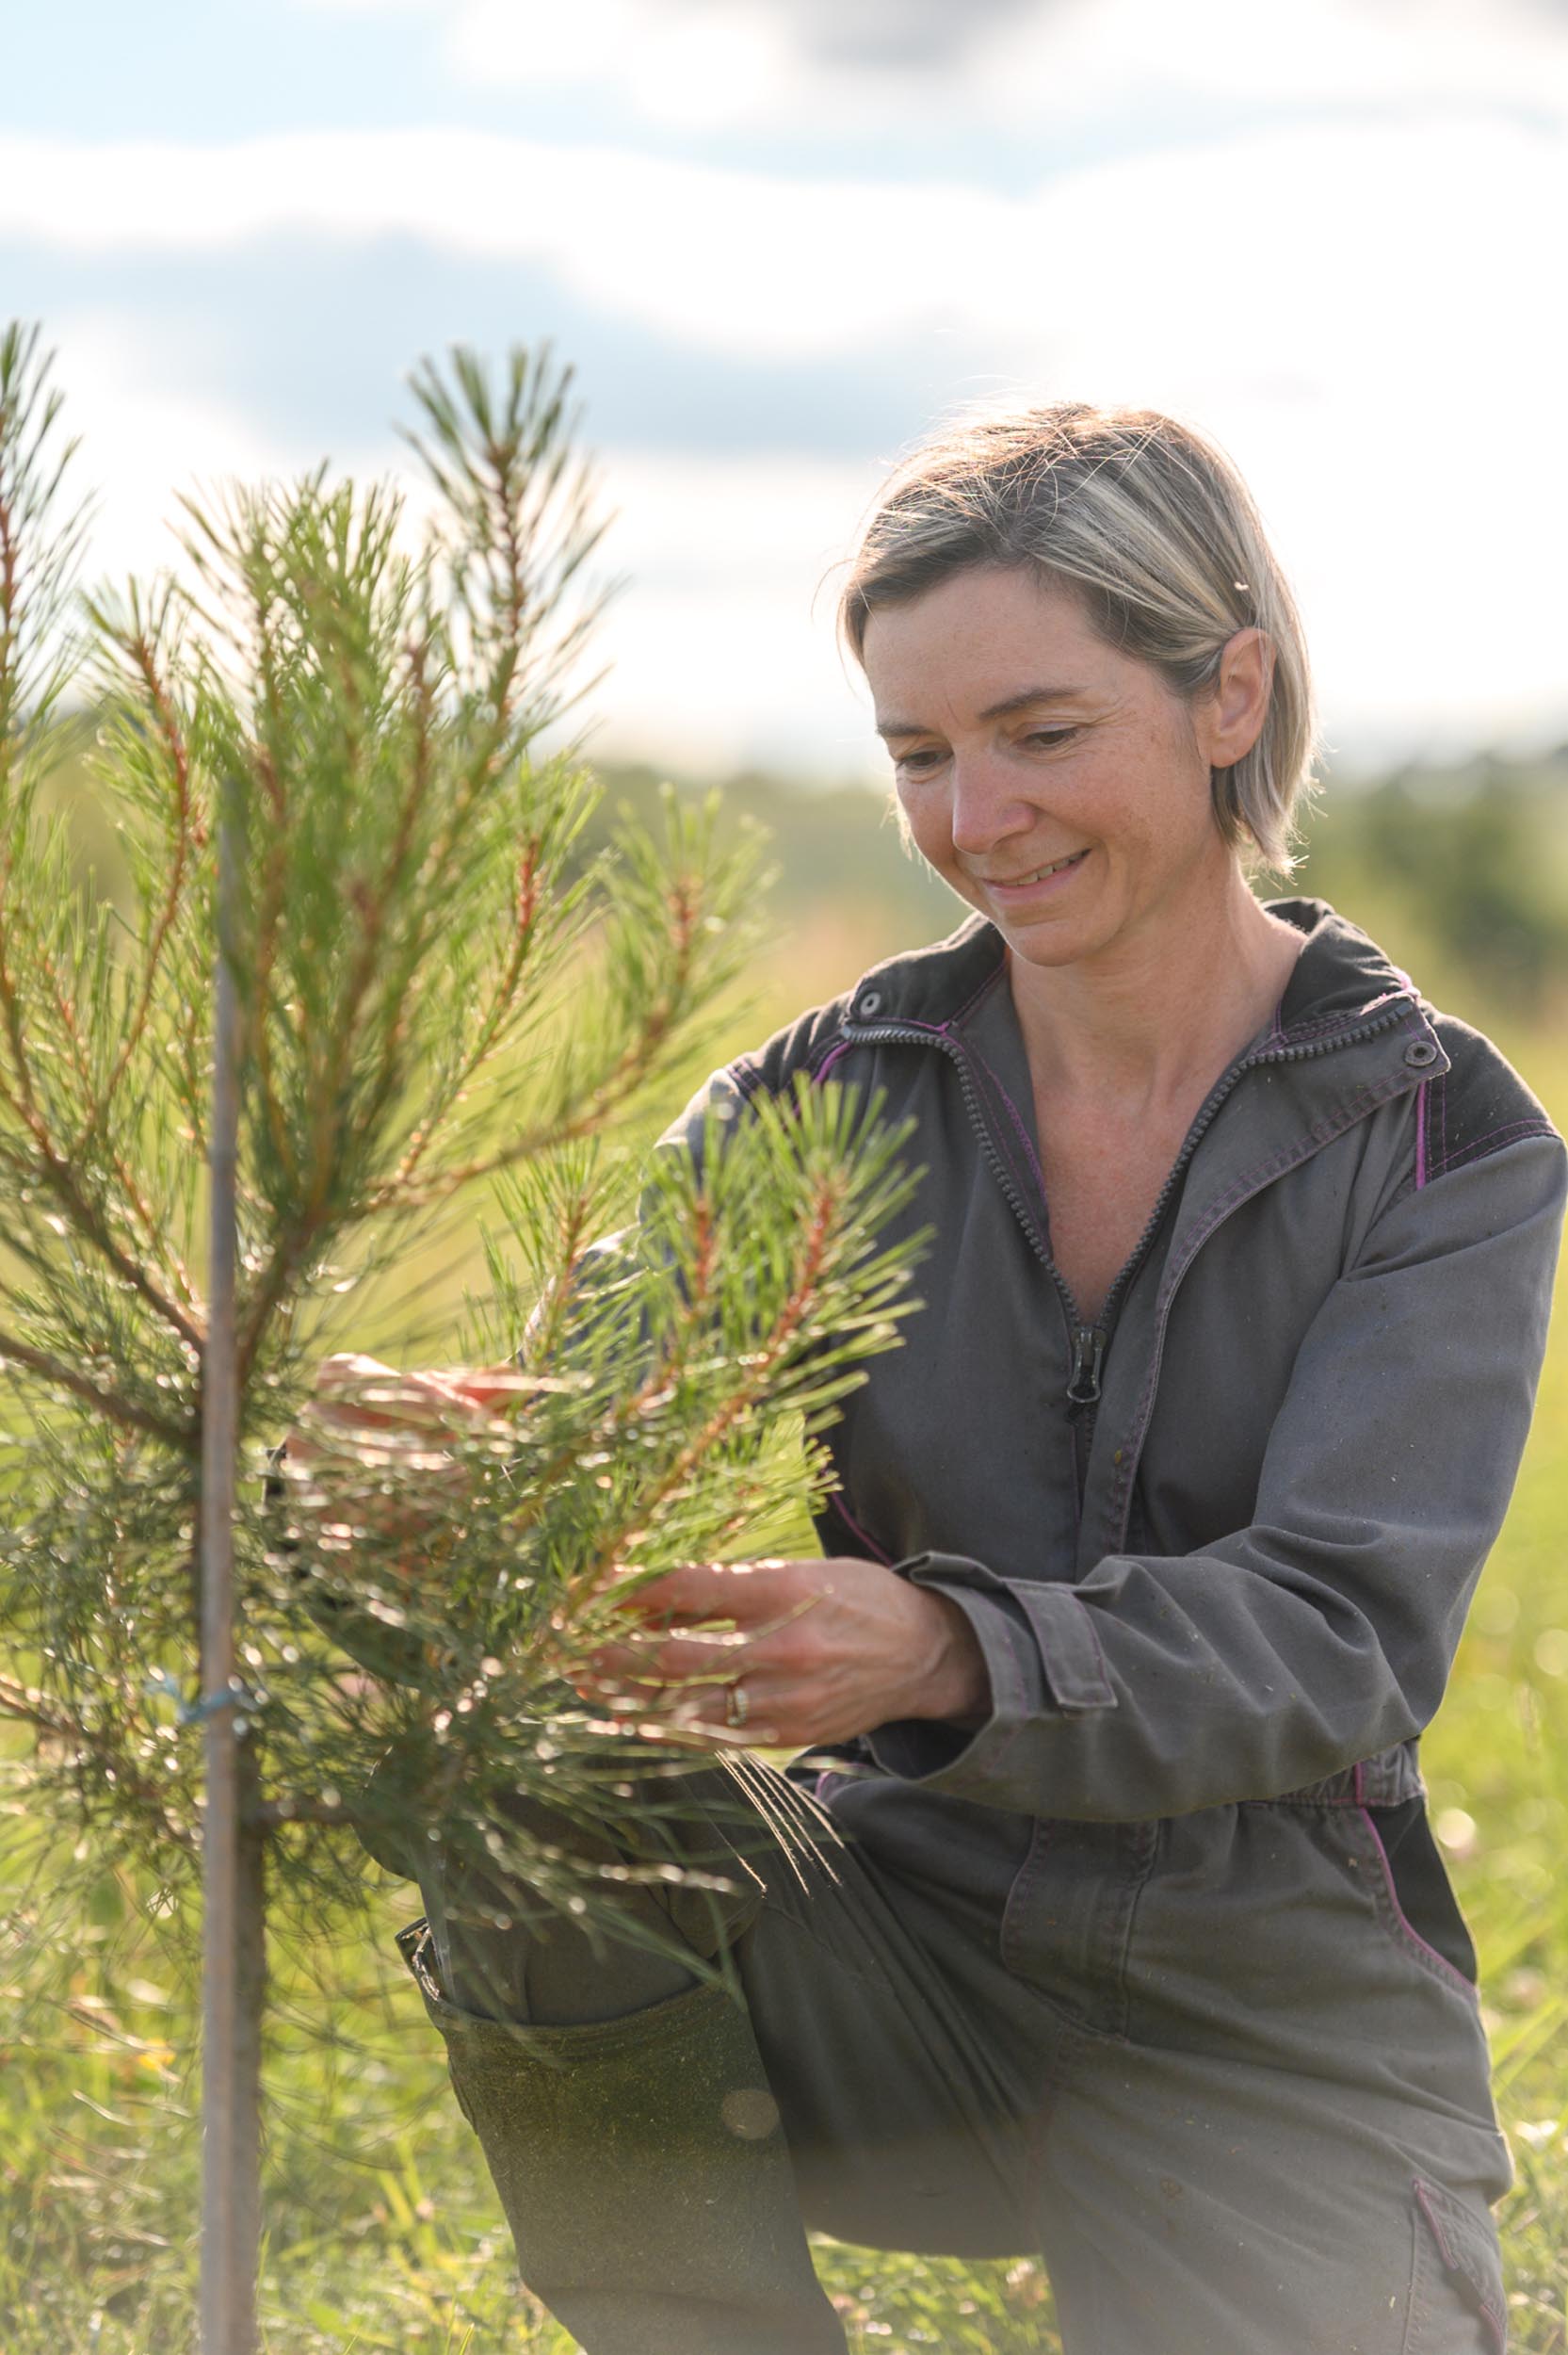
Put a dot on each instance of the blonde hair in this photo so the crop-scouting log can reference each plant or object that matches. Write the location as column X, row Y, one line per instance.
column 1152, row 528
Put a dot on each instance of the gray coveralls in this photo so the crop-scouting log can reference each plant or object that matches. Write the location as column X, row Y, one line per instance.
column 1155, row 1972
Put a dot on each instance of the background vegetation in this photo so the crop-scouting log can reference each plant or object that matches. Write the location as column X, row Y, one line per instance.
column 383, row 2231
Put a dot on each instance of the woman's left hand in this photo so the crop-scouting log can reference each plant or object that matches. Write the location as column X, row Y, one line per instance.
column 824, row 1650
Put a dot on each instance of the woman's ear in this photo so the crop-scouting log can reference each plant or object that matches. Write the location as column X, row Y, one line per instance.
column 1233, row 708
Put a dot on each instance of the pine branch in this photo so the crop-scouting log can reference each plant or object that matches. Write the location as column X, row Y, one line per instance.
column 273, row 1814
column 141, row 652
column 119, row 1409
column 89, row 1222
column 298, row 1236
column 25, row 1705
column 39, row 550
column 412, row 895
column 156, row 1232
column 55, row 1169
column 525, row 911
column 743, row 1398
column 270, row 916
column 635, row 1064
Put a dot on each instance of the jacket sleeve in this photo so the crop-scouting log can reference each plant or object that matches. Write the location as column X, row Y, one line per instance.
column 1325, row 1630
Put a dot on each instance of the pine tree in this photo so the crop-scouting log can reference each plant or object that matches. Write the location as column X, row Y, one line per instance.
column 435, row 995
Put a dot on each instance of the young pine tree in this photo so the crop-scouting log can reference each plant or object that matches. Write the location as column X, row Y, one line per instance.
column 439, row 999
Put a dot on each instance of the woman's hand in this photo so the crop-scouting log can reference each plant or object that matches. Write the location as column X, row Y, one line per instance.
column 365, row 1420
column 826, row 1649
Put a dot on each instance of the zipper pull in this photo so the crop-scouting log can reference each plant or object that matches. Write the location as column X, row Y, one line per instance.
column 1089, row 1354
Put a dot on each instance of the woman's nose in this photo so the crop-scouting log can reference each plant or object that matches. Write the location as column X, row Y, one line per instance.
column 986, row 807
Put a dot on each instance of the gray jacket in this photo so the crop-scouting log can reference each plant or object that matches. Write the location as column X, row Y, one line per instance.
column 1219, row 1546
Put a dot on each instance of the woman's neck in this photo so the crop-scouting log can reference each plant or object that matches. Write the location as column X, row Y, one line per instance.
column 1133, row 1027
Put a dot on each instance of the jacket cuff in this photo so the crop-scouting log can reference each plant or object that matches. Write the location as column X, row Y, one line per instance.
column 1042, row 1659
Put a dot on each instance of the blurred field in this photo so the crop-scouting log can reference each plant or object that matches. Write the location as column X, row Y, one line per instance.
column 382, row 2232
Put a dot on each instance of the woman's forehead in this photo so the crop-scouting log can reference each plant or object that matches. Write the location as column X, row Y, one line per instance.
column 988, row 641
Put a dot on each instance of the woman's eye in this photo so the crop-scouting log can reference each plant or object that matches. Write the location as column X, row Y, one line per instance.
column 1049, row 737
column 918, row 764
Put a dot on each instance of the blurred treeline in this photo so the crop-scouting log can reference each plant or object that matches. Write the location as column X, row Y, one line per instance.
column 1460, row 872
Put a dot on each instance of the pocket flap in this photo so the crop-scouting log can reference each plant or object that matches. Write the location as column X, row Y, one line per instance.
column 1468, row 2248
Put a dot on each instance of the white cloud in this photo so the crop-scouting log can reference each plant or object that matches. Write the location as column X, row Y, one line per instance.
column 848, row 67
column 1112, row 59
column 727, row 260
column 723, row 641
column 146, row 437
column 1264, row 243
column 691, row 66
column 1367, row 316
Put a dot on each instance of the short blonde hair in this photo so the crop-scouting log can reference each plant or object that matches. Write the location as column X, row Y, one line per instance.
column 1153, row 529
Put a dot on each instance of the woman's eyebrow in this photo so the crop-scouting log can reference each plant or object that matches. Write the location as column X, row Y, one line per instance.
column 1028, row 695
column 1009, row 704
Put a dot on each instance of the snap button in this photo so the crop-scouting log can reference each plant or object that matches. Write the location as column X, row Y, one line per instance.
column 871, row 1002
column 1419, row 1051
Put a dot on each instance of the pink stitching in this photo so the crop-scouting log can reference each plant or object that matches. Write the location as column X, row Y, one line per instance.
column 1421, row 1134
column 976, row 995
column 829, row 1060
column 1502, row 1130
column 1326, row 1025
column 1440, row 1962
column 855, row 1530
column 1491, row 2312
column 1531, row 1126
column 1443, row 1117
column 1017, row 1121
column 1436, row 2220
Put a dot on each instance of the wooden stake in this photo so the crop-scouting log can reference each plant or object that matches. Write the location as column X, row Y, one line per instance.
column 234, row 1927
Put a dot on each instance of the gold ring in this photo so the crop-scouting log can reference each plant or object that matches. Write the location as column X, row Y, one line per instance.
column 736, row 1706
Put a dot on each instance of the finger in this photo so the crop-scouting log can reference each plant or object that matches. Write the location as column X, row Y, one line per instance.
column 698, row 1712
column 742, row 1591
column 491, row 1386
column 679, row 1659
column 347, row 1368
column 361, row 1391
column 707, row 1710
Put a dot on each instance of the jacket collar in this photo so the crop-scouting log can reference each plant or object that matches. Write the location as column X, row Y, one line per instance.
column 1340, row 976
column 1340, row 973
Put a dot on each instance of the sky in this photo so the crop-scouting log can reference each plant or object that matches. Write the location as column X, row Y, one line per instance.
column 778, row 240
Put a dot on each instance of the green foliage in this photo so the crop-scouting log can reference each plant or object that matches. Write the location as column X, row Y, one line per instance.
column 438, row 988
column 749, row 1295
column 40, row 539
column 1472, row 866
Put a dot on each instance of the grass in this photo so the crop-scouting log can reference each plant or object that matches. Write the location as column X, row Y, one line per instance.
column 382, row 2232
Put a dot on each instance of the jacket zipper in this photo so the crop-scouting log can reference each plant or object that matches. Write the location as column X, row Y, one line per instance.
column 1089, row 1342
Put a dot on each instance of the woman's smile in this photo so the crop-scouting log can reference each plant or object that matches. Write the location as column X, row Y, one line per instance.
column 1013, row 891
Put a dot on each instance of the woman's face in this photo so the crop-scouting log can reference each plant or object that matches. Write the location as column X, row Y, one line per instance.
column 1060, row 786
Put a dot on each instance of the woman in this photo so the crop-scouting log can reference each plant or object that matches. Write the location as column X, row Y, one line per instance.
column 1151, row 1549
